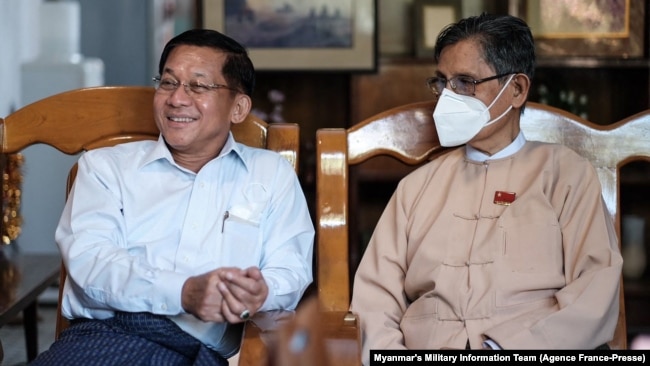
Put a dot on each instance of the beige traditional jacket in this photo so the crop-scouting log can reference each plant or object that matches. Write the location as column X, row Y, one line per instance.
column 520, row 250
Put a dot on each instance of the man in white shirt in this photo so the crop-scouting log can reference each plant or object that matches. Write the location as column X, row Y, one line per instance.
column 171, row 245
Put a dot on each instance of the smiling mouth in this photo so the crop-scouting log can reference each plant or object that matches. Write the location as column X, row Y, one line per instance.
column 181, row 119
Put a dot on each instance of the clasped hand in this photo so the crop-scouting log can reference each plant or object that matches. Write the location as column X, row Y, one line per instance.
column 223, row 294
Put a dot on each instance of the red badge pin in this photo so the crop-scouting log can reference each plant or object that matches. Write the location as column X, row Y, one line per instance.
column 504, row 198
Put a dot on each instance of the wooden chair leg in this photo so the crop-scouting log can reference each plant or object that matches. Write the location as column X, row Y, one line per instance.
column 30, row 323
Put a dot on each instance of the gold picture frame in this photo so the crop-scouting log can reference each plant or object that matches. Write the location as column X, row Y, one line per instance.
column 429, row 18
column 354, row 49
column 570, row 28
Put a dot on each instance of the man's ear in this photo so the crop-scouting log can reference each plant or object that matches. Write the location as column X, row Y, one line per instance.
column 241, row 108
column 521, row 83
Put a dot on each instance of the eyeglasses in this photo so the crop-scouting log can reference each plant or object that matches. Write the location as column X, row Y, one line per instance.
column 463, row 85
column 192, row 88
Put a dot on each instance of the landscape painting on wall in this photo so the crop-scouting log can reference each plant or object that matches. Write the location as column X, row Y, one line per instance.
column 282, row 24
column 594, row 28
column 299, row 34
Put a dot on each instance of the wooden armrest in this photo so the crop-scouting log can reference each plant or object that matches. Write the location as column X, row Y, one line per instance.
column 258, row 335
column 342, row 337
column 338, row 330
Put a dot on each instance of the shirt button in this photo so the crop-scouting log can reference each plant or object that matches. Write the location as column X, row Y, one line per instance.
column 202, row 185
column 163, row 306
column 186, row 259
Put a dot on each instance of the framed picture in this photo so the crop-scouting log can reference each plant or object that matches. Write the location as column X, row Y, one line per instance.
column 169, row 18
column 305, row 35
column 430, row 16
column 612, row 28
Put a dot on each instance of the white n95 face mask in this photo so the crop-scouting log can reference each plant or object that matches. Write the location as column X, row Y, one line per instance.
column 459, row 118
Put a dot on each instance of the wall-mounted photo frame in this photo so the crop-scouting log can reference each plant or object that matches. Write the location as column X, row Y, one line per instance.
column 169, row 18
column 430, row 16
column 306, row 35
column 584, row 28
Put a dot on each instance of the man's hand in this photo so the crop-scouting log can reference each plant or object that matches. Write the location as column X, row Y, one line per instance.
column 242, row 290
column 201, row 297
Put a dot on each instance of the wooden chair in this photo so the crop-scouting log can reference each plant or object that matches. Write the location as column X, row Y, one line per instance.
column 90, row 118
column 301, row 339
column 336, row 339
column 608, row 148
column 407, row 133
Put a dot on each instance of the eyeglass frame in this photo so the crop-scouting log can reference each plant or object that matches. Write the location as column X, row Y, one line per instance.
column 430, row 82
column 188, row 86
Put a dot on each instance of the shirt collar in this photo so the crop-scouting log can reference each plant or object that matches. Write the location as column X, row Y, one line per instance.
column 511, row 149
column 161, row 151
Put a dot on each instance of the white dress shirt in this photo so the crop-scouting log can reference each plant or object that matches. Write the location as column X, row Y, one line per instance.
column 136, row 226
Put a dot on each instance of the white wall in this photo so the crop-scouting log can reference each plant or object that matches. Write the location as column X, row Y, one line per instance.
column 45, row 60
column 42, row 63
column 120, row 33
column 50, row 63
column 9, row 66
column 18, row 43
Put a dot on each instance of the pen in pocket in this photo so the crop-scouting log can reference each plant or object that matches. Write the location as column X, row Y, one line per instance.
column 225, row 217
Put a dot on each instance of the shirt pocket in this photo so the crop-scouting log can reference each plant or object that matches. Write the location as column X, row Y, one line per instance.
column 533, row 248
column 242, row 241
column 532, row 263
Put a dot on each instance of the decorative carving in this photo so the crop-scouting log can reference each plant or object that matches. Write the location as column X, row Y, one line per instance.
column 11, row 196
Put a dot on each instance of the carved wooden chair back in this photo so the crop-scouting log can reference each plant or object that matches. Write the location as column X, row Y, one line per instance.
column 608, row 148
column 406, row 133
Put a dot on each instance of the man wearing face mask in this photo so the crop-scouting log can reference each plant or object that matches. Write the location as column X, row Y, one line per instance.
column 501, row 243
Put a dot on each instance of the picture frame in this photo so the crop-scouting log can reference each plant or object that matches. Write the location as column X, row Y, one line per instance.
column 319, row 35
column 429, row 18
column 613, row 29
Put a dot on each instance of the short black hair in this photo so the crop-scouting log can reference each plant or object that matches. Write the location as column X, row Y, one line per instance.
column 238, row 69
column 507, row 42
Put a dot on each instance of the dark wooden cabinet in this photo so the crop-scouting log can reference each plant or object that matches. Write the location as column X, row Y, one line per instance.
column 637, row 301
column 603, row 91
column 635, row 184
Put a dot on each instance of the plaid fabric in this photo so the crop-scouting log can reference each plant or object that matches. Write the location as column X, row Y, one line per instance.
column 128, row 339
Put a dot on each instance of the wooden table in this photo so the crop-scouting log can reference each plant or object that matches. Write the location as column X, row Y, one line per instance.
column 24, row 278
